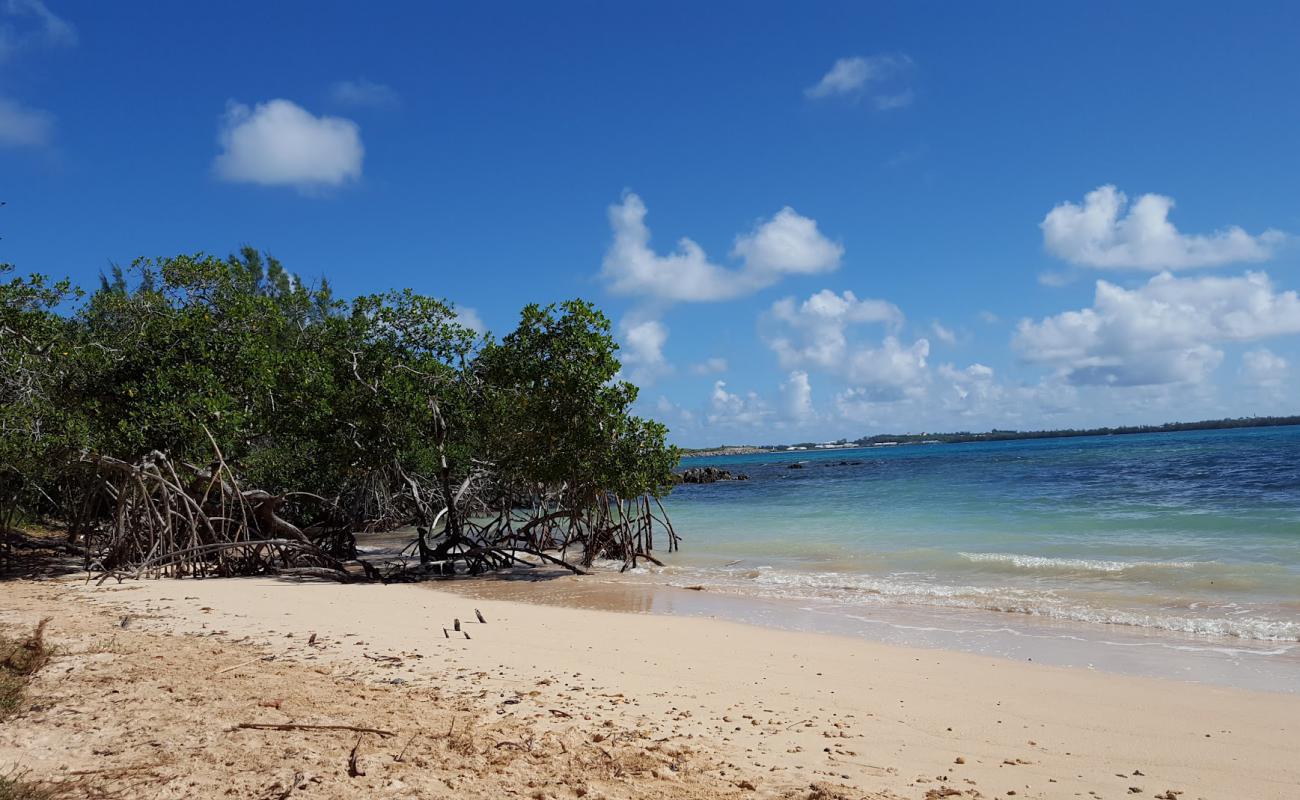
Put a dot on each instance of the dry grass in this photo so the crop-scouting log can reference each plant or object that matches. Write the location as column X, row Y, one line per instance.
column 20, row 659
column 13, row 787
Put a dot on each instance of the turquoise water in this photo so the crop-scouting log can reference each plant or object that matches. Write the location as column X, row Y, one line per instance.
column 1191, row 538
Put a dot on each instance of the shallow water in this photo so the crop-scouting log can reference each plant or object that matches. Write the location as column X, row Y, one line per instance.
column 1172, row 544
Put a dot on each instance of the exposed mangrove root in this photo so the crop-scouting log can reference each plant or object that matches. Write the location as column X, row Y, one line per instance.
column 161, row 518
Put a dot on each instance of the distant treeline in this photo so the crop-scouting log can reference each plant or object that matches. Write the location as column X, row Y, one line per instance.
column 1000, row 436
column 996, row 435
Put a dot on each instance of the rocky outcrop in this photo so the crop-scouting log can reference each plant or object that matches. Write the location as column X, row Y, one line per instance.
column 708, row 475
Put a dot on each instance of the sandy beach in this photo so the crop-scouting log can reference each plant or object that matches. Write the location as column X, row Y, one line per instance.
column 155, row 676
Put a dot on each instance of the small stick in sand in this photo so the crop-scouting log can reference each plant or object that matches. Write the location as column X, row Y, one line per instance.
column 466, row 634
column 244, row 664
column 445, row 634
column 457, row 625
column 293, row 726
column 479, row 614
column 402, row 754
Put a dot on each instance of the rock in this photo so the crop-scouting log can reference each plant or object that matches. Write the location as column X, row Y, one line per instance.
column 795, row 465
column 707, row 475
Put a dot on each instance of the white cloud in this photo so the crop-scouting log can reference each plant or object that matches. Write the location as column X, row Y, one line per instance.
column 892, row 371
column 943, row 334
column 783, row 245
column 1164, row 331
column 47, row 28
column 710, row 366
column 818, row 327
column 787, row 244
column 1094, row 234
column 278, row 143
column 362, row 93
column 989, row 318
column 732, row 410
column 469, row 318
column 853, row 75
column 24, row 127
column 1263, row 367
column 796, row 393
column 814, row 334
column 975, row 381
column 668, row 411
column 642, row 352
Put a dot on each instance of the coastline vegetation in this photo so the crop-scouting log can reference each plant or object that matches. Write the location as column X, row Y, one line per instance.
column 206, row 416
column 995, row 435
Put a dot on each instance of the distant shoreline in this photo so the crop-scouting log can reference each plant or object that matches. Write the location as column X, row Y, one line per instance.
column 888, row 440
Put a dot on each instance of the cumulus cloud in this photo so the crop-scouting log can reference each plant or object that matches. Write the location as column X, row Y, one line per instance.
column 796, row 394
column 732, row 410
column 1164, row 331
column 854, row 75
column 362, row 93
column 29, row 23
column 24, row 127
column 786, row 244
column 1263, row 367
column 892, row 371
column 469, row 318
column 278, row 143
column 1095, row 234
column 975, row 381
column 642, row 352
column 710, row 366
column 815, row 332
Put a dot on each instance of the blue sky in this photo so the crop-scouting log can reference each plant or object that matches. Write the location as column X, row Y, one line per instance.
column 969, row 174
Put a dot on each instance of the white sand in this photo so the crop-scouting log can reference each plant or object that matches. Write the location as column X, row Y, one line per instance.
column 793, row 707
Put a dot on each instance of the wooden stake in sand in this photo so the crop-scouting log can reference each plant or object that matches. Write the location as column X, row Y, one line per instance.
column 479, row 614
column 457, row 625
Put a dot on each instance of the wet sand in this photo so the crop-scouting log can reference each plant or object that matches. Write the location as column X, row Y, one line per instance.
column 1222, row 661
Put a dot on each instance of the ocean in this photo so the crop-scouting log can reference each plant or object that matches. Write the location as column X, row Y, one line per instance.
column 1175, row 553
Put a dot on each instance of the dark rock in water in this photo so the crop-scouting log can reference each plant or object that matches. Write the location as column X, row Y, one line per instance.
column 708, row 475
column 795, row 465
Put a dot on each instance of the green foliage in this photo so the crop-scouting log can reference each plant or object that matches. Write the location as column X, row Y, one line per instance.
column 301, row 391
column 36, row 345
column 558, row 413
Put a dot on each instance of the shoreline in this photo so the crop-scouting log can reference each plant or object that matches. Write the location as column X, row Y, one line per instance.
column 782, row 709
column 1115, row 649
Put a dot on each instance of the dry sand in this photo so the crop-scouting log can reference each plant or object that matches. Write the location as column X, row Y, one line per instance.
column 562, row 702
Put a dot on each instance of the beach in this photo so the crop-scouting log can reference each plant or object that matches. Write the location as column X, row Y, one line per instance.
column 156, row 676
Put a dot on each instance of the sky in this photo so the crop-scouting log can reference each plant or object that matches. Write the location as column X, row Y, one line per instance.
column 806, row 221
